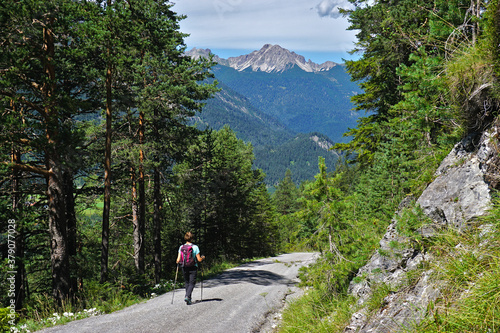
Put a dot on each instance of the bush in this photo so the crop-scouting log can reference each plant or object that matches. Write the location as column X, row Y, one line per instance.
column 6, row 319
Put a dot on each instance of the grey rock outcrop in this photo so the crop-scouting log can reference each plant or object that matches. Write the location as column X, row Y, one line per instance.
column 460, row 193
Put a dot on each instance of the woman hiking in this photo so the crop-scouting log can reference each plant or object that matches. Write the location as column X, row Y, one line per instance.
column 189, row 257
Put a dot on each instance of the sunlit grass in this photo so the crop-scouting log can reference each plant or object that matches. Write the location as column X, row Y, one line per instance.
column 317, row 312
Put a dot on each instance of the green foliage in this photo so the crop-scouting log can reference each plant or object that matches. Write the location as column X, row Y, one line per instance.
column 470, row 79
column 333, row 220
column 410, row 220
column 376, row 300
column 404, row 48
column 232, row 215
column 428, row 78
column 7, row 318
column 286, row 195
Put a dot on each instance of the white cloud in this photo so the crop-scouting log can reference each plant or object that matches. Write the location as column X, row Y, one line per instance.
column 332, row 8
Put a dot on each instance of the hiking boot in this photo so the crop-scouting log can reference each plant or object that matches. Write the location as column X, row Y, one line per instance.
column 187, row 300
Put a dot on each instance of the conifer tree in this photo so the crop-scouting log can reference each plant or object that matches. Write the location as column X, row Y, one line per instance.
column 286, row 195
column 233, row 213
column 43, row 87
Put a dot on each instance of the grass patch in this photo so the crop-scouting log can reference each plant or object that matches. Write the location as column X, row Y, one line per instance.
column 469, row 265
column 317, row 312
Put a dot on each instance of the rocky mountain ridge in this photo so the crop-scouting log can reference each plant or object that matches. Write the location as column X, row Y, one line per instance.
column 270, row 58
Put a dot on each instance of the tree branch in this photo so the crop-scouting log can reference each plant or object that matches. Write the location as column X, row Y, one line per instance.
column 28, row 168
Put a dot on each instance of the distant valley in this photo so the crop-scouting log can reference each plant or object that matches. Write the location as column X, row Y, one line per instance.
column 290, row 109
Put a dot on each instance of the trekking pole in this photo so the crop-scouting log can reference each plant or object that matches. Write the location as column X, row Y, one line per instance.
column 201, row 282
column 175, row 282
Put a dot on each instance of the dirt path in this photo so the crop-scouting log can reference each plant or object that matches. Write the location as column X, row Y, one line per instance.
column 238, row 300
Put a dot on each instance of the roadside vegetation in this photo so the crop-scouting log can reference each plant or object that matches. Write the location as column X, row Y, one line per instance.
column 468, row 266
column 429, row 74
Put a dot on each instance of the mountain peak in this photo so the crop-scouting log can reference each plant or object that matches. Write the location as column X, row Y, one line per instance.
column 274, row 58
column 205, row 53
column 270, row 58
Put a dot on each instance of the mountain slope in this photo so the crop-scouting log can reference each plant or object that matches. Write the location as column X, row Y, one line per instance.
column 274, row 99
column 249, row 123
column 276, row 148
column 304, row 96
column 303, row 101
column 299, row 154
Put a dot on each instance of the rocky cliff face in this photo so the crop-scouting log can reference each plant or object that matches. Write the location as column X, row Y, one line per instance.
column 270, row 58
column 460, row 194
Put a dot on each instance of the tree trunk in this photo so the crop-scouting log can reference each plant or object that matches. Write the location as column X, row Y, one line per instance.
column 58, row 231
column 55, row 182
column 157, row 225
column 142, row 198
column 157, row 202
column 135, row 219
column 107, row 177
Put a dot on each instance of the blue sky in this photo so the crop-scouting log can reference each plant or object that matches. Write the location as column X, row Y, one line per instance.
column 312, row 28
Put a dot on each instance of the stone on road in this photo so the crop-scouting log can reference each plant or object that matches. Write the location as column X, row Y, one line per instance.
column 238, row 300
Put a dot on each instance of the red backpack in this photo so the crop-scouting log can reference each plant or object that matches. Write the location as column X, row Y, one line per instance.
column 187, row 258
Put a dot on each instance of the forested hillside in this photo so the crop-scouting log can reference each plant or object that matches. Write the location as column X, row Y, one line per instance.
column 276, row 148
column 303, row 101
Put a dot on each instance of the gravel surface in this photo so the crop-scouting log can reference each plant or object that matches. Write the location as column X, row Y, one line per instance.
column 241, row 299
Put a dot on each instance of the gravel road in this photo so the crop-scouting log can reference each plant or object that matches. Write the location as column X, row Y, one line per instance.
column 241, row 299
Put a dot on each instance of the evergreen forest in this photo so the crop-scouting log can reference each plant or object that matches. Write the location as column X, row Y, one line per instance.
column 101, row 173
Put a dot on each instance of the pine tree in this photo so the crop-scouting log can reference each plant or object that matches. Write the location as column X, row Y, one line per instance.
column 43, row 87
column 286, row 195
column 232, row 211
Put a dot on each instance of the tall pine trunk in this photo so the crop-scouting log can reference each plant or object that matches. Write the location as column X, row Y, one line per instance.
column 55, row 183
column 142, row 198
column 157, row 203
column 135, row 218
column 107, row 176
column 57, row 231
column 157, row 224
